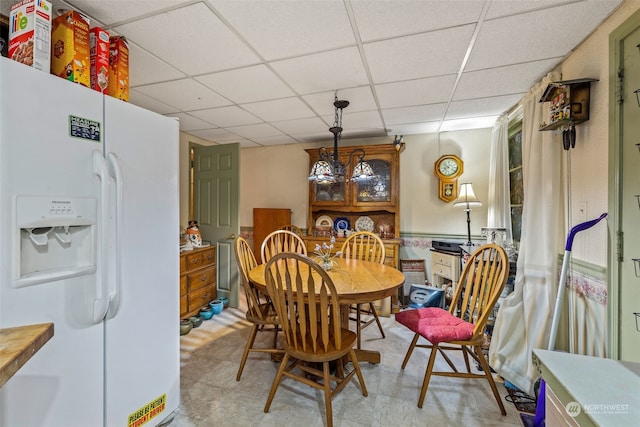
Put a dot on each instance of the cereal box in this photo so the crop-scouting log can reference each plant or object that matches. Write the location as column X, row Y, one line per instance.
column 119, row 68
column 99, row 53
column 70, row 47
column 29, row 33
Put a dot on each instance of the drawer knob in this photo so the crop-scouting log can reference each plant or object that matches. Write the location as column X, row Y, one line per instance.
column 203, row 278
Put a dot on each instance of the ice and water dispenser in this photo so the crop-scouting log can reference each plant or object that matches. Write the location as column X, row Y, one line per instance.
column 56, row 238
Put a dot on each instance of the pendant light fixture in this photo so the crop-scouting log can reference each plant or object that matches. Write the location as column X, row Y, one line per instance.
column 329, row 169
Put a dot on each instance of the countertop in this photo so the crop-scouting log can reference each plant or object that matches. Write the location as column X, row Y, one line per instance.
column 606, row 389
column 18, row 344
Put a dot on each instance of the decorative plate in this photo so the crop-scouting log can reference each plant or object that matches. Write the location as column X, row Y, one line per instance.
column 324, row 221
column 342, row 223
column 364, row 223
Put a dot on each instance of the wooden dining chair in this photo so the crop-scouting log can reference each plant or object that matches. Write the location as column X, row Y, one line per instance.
column 281, row 241
column 307, row 304
column 260, row 310
column 364, row 246
column 292, row 228
column 462, row 326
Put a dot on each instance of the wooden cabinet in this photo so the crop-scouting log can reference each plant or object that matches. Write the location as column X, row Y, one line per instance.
column 377, row 199
column 197, row 279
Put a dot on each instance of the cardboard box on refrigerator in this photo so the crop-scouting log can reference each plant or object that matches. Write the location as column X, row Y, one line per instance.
column 119, row 68
column 99, row 53
column 70, row 48
column 30, row 32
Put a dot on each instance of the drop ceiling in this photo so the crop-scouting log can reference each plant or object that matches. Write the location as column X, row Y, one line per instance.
column 265, row 72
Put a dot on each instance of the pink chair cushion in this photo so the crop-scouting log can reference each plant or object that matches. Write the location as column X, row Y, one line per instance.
column 435, row 324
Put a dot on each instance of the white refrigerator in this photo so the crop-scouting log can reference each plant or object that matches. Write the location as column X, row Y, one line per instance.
column 89, row 230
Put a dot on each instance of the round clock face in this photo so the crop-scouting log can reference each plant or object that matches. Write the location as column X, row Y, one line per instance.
column 448, row 167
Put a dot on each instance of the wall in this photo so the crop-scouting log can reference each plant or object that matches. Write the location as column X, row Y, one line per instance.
column 587, row 178
column 276, row 177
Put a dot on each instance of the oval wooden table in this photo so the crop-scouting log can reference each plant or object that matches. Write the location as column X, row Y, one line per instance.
column 357, row 282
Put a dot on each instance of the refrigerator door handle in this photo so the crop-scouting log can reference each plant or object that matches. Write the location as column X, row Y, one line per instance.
column 101, row 303
column 114, row 291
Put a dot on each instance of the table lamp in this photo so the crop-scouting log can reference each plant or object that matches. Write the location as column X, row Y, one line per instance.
column 467, row 199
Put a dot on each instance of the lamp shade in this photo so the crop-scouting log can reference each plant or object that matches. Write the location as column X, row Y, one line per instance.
column 466, row 197
column 322, row 172
column 362, row 172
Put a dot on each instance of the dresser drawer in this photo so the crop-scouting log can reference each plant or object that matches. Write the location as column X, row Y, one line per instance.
column 183, row 264
column 443, row 259
column 443, row 271
column 201, row 259
column 201, row 297
column 201, row 278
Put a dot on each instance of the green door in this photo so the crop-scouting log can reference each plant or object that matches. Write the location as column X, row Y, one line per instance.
column 624, row 192
column 216, row 175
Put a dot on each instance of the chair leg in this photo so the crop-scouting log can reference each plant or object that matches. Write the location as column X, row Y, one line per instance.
column 375, row 316
column 327, row 393
column 356, row 366
column 247, row 349
column 358, row 328
column 492, row 383
column 276, row 382
column 427, row 375
column 410, row 350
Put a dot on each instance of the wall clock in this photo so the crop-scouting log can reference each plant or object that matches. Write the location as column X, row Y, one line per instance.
column 448, row 168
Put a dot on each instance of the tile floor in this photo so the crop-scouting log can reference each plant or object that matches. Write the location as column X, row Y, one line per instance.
column 211, row 396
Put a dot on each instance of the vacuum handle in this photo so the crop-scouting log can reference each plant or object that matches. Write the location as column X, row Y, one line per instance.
column 581, row 227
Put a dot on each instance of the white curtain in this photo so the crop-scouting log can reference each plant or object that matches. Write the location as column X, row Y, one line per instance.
column 524, row 319
column 499, row 212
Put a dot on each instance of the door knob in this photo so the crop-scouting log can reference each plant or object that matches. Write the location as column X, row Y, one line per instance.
column 231, row 236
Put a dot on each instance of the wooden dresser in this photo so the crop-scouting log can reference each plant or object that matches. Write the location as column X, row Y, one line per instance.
column 197, row 279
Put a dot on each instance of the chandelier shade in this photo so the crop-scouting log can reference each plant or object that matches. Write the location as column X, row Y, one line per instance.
column 329, row 169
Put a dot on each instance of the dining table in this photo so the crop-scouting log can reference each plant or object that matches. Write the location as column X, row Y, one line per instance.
column 356, row 282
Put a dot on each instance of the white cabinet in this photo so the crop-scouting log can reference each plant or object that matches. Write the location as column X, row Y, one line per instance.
column 445, row 268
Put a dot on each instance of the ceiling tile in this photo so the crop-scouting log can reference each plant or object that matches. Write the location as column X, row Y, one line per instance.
column 185, row 94
column 279, row 109
column 499, row 9
column 227, row 116
column 249, row 84
column 468, row 123
column 416, row 92
column 145, row 68
column 423, row 55
column 275, row 140
column 279, row 29
column 421, row 113
column 298, row 126
column 113, row 11
column 191, row 38
column 383, row 19
column 364, row 122
column 495, row 105
column 501, row 41
column 323, row 71
column 414, row 128
column 143, row 101
column 219, row 135
column 189, row 123
column 502, row 80
column 360, row 99
column 256, row 131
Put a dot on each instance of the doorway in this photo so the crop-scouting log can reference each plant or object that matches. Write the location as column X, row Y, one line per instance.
column 624, row 192
column 214, row 203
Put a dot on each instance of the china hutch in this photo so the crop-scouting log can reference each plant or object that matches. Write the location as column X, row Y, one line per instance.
column 348, row 206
